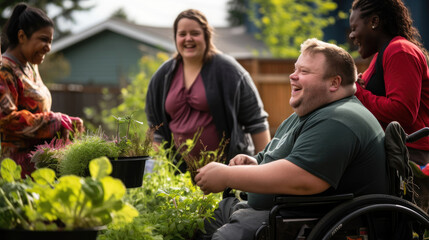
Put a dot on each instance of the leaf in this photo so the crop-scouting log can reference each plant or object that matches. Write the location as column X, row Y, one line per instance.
column 114, row 189
column 125, row 215
column 93, row 190
column 121, row 119
column 67, row 191
column 44, row 176
column 100, row 168
column 141, row 123
column 10, row 171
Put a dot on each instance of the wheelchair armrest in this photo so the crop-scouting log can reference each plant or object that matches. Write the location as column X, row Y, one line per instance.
column 291, row 201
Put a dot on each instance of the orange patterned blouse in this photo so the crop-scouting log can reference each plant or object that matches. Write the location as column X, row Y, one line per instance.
column 26, row 119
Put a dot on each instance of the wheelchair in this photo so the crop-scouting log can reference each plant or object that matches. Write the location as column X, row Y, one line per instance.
column 368, row 217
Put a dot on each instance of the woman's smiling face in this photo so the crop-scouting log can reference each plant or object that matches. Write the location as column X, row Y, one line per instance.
column 35, row 48
column 363, row 35
column 190, row 42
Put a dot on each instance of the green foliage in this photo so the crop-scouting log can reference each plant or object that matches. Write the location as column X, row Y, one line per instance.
column 285, row 24
column 169, row 205
column 76, row 156
column 194, row 163
column 132, row 144
column 73, row 156
column 71, row 202
column 132, row 98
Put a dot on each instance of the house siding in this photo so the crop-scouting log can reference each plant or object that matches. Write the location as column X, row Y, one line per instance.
column 106, row 58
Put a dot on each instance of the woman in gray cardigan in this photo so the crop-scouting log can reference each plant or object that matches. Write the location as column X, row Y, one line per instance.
column 201, row 88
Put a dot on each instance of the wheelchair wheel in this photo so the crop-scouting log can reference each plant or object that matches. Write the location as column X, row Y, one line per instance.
column 400, row 218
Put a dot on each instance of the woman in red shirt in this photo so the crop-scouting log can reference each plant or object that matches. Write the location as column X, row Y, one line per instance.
column 395, row 87
column 399, row 91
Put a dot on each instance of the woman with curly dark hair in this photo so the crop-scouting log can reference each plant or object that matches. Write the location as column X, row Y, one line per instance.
column 395, row 87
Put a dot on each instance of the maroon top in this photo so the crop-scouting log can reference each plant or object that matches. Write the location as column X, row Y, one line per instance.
column 189, row 111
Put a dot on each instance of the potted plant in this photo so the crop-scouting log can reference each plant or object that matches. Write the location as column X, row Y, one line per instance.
column 128, row 154
column 70, row 207
column 76, row 156
column 134, row 151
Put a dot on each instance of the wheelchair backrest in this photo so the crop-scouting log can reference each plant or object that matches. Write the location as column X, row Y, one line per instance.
column 399, row 169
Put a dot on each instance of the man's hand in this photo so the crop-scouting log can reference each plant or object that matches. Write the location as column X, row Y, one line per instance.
column 242, row 159
column 212, row 178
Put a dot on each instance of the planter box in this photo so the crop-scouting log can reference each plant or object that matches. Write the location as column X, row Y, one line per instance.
column 80, row 234
column 129, row 169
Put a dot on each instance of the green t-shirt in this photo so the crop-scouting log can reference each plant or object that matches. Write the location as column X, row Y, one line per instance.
column 341, row 143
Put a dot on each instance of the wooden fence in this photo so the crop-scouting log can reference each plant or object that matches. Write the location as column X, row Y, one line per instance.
column 271, row 77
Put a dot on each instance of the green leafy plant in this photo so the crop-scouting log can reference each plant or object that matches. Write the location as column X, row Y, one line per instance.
column 133, row 144
column 193, row 163
column 70, row 202
column 76, row 156
column 169, row 205
column 73, row 156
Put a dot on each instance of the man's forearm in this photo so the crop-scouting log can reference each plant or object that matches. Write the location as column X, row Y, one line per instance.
column 279, row 177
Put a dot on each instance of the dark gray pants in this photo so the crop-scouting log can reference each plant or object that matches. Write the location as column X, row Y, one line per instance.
column 234, row 220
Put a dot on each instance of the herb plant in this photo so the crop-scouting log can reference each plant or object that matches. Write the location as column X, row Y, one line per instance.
column 194, row 163
column 169, row 205
column 132, row 144
column 77, row 155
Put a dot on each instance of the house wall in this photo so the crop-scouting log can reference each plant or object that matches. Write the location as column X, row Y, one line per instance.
column 107, row 58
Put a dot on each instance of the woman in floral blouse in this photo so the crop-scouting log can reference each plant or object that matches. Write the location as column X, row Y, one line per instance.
column 26, row 119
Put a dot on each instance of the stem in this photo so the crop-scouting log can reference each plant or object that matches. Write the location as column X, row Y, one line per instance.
column 24, row 222
column 78, row 213
column 117, row 132
column 128, row 128
column 174, row 202
column 202, row 207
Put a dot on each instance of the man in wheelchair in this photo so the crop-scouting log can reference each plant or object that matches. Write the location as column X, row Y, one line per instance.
column 330, row 145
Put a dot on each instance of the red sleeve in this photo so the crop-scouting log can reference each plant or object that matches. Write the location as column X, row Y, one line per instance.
column 402, row 78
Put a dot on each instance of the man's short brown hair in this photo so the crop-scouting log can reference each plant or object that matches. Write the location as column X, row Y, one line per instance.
column 338, row 61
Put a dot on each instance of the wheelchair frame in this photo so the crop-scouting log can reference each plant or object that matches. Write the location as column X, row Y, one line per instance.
column 375, row 216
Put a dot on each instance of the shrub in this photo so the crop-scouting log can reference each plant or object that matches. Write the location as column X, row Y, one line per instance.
column 78, row 154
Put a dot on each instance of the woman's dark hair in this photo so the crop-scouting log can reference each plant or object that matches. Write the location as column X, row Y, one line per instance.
column 208, row 31
column 29, row 19
column 394, row 16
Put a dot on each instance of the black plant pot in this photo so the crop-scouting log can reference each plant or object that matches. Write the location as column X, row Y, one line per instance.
column 129, row 169
column 19, row 234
